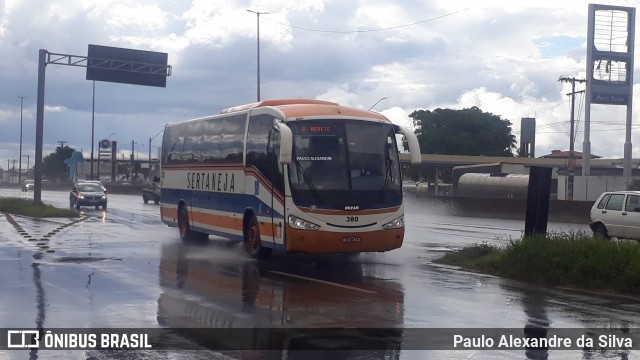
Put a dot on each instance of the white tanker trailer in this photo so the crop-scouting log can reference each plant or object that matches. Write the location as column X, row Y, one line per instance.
column 509, row 186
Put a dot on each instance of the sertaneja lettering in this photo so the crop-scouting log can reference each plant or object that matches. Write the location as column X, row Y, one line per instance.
column 210, row 181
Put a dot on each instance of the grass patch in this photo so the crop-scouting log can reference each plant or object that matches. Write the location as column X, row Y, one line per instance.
column 568, row 260
column 21, row 206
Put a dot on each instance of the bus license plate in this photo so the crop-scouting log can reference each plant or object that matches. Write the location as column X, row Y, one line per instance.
column 350, row 239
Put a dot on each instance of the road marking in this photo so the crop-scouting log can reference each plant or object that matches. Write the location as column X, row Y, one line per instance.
column 325, row 282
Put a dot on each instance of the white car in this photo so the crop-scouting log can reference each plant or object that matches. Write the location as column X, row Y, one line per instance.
column 27, row 185
column 616, row 214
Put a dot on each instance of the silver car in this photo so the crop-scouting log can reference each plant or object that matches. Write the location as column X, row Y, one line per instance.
column 616, row 214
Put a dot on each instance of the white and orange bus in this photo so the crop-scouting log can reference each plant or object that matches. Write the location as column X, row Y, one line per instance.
column 293, row 175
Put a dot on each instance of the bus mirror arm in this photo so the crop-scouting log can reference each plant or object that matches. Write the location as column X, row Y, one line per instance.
column 286, row 143
column 414, row 146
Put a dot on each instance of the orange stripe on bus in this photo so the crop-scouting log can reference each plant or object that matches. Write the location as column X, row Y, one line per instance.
column 223, row 221
column 227, row 222
column 266, row 230
column 166, row 212
column 350, row 212
column 297, row 111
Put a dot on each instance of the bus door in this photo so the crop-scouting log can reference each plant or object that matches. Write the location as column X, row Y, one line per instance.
column 277, row 190
column 263, row 146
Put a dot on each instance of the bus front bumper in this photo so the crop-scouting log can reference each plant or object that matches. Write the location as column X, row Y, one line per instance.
column 322, row 242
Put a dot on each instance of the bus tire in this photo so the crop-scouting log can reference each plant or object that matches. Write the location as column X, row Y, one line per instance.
column 183, row 224
column 186, row 234
column 252, row 241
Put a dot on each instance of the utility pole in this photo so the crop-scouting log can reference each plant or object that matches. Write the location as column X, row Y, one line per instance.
column 13, row 162
column 61, row 143
column 572, row 160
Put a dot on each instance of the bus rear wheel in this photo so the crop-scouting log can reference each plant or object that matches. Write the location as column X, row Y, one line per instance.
column 253, row 242
column 186, row 234
column 183, row 224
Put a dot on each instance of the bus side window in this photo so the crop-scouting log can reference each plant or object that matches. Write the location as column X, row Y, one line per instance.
column 211, row 140
column 172, row 144
column 232, row 142
column 192, row 142
column 258, row 137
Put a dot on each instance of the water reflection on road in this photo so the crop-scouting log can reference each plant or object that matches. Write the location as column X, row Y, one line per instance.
column 209, row 286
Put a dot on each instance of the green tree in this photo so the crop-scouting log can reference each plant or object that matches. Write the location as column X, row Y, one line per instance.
column 53, row 166
column 463, row 132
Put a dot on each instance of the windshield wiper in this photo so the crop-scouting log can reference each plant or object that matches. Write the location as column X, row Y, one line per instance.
column 387, row 177
column 307, row 180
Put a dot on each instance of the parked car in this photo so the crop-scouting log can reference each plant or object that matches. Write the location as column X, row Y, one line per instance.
column 27, row 185
column 151, row 192
column 87, row 194
column 616, row 214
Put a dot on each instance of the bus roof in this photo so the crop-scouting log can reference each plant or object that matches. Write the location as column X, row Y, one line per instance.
column 298, row 108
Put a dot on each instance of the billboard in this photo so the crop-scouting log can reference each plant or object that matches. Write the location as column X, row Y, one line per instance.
column 610, row 64
column 127, row 66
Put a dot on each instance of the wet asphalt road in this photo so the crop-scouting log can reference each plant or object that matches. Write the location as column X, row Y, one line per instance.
column 123, row 268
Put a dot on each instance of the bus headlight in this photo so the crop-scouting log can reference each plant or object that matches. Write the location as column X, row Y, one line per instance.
column 394, row 224
column 300, row 224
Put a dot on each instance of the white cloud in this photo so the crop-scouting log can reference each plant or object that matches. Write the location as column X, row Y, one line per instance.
column 398, row 116
column 56, row 108
column 340, row 95
column 120, row 15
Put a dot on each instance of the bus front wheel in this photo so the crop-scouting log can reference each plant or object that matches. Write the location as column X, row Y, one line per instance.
column 253, row 242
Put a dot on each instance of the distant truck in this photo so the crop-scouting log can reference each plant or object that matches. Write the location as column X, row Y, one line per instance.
column 151, row 192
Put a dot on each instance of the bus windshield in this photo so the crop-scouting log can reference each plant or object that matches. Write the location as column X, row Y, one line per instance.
column 344, row 163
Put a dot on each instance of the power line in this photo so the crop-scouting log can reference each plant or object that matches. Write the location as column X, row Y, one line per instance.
column 370, row 30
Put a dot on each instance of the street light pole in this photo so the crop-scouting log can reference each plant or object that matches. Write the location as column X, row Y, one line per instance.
column 150, row 139
column 93, row 112
column 374, row 105
column 20, row 162
column 258, row 44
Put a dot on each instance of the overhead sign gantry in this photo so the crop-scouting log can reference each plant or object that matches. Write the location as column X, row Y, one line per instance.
column 103, row 63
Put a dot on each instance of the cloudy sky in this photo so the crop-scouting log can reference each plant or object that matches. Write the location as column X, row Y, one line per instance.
column 503, row 56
